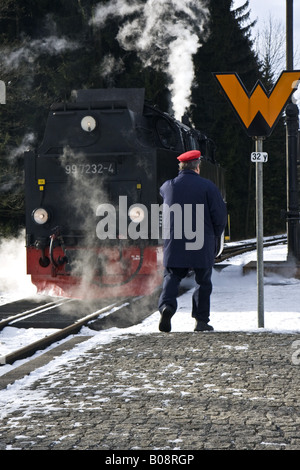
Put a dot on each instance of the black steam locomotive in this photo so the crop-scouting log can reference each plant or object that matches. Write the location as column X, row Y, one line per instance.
column 93, row 215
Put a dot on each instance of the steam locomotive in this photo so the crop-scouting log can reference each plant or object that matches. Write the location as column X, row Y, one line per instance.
column 93, row 209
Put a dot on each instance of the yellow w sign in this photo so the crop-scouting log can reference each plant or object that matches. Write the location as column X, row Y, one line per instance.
column 258, row 111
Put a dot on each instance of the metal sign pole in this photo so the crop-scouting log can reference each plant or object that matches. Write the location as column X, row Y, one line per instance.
column 2, row 92
column 259, row 234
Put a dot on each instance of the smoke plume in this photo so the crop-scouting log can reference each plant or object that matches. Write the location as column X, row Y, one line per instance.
column 165, row 34
column 14, row 282
column 27, row 141
column 29, row 51
column 110, row 67
column 82, row 196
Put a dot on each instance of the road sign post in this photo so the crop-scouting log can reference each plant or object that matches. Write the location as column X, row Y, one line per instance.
column 2, row 92
column 259, row 113
column 259, row 234
column 293, row 214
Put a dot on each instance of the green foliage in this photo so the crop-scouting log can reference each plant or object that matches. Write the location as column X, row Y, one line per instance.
column 49, row 48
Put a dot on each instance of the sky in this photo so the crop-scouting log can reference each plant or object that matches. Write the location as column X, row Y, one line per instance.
column 261, row 10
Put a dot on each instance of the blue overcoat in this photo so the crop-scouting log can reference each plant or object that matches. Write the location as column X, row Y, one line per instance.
column 195, row 195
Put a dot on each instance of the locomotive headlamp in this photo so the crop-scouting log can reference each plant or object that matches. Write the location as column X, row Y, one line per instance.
column 88, row 123
column 136, row 214
column 40, row 216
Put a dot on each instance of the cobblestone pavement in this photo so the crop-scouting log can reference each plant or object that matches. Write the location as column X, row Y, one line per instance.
column 187, row 391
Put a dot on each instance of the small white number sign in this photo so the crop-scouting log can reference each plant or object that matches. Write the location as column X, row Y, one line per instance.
column 259, row 157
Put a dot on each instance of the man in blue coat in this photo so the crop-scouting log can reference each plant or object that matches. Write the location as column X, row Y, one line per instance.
column 194, row 216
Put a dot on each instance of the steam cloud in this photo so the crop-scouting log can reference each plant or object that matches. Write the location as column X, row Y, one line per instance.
column 29, row 52
column 27, row 141
column 165, row 34
column 14, row 282
column 109, row 67
column 83, row 197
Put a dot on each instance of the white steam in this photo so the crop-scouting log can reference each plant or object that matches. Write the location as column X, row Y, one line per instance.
column 83, row 197
column 165, row 34
column 27, row 141
column 29, row 51
column 14, row 282
column 110, row 67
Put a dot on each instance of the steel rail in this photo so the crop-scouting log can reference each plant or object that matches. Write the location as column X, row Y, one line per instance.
column 34, row 311
column 30, row 349
column 230, row 251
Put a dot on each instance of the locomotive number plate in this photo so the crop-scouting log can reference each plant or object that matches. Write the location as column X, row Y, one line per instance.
column 104, row 168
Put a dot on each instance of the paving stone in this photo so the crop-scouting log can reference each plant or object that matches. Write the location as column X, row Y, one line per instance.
column 186, row 391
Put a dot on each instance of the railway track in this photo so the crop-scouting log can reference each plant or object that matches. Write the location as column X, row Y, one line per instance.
column 122, row 313
column 62, row 333
column 243, row 247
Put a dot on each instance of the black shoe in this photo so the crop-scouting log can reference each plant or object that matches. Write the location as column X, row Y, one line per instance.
column 165, row 319
column 202, row 326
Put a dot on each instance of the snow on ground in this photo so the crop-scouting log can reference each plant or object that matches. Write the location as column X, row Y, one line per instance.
column 233, row 307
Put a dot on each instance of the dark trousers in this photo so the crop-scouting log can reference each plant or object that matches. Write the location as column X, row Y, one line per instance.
column 201, row 295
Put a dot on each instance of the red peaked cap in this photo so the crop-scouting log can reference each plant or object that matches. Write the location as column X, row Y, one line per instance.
column 190, row 155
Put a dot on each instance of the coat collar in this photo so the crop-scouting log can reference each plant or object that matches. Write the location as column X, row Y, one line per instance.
column 187, row 172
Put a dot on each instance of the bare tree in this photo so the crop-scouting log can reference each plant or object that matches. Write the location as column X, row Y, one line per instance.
column 271, row 49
